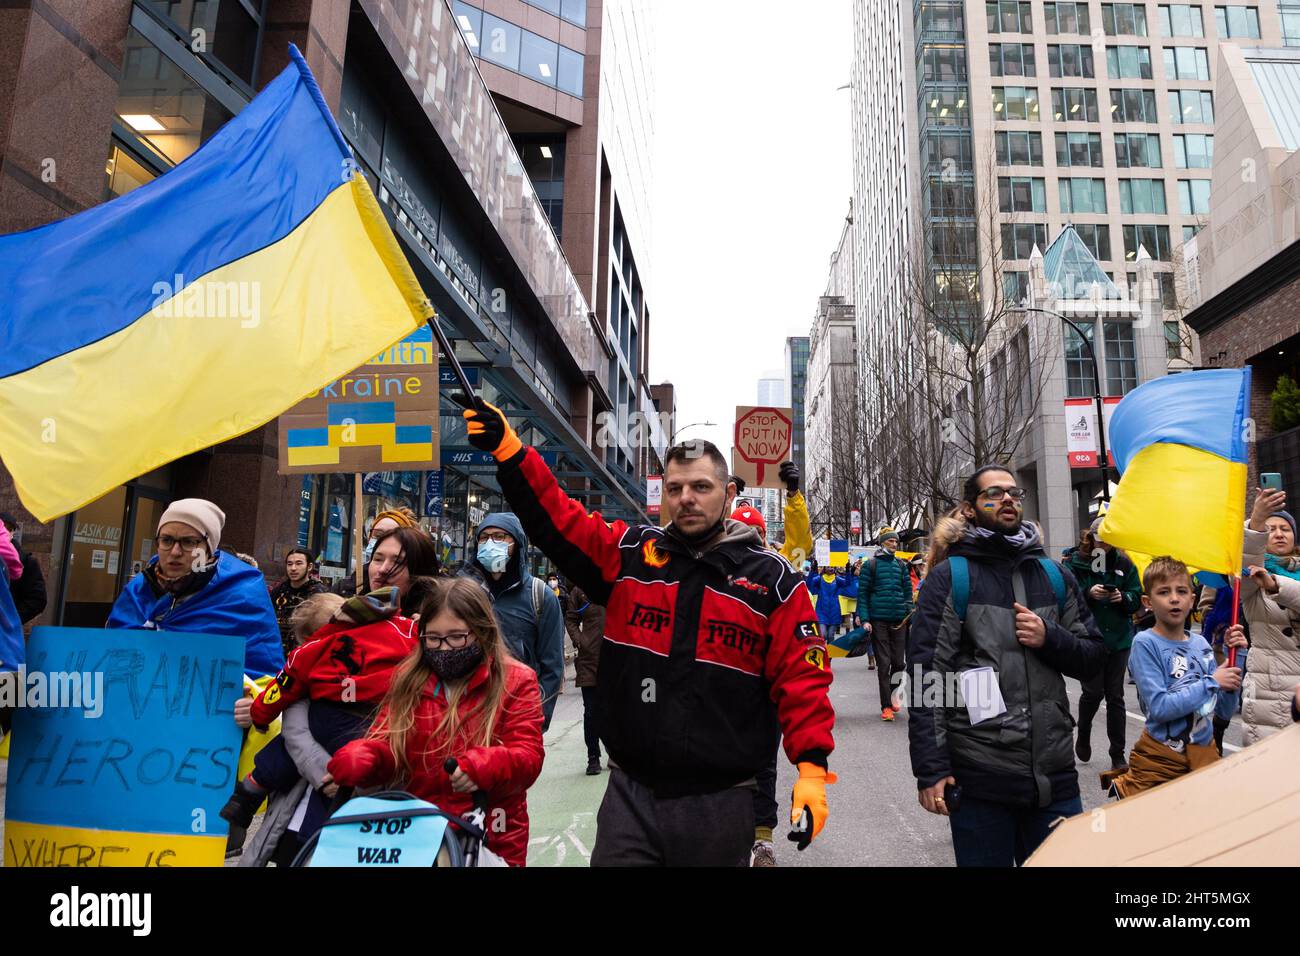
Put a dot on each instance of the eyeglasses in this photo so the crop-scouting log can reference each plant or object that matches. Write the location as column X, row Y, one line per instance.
column 997, row 493
column 454, row 640
column 498, row 536
column 166, row 543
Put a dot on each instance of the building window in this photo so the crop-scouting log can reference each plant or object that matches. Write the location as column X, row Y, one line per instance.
column 1133, row 106
column 1073, row 104
column 1079, row 369
column 1124, row 19
column 1019, row 239
column 1154, row 239
column 1190, row 232
column 229, row 33
column 1009, row 16
column 537, row 58
column 1181, row 20
column 1096, row 237
column 1137, row 149
column 1193, row 150
column 1015, row 103
column 1128, row 62
column 950, row 150
column 1015, row 148
column 1194, row 197
column 543, row 159
column 948, row 108
column 1121, row 357
column 1015, row 286
column 946, row 63
column 1173, row 341
column 1187, row 63
column 1290, row 24
column 1191, row 106
column 1237, row 22
column 1079, row 149
column 125, row 172
column 1082, row 196
column 1070, row 59
column 569, row 76
column 1021, row 194
column 1139, row 196
column 1164, row 289
column 500, row 42
column 1067, row 18
column 470, row 21
column 1010, row 59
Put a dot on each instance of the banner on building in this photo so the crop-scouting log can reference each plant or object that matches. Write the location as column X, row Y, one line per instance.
column 1081, row 430
column 760, row 442
column 433, row 494
column 855, row 521
column 124, row 748
column 381, row 417
column 654, row 495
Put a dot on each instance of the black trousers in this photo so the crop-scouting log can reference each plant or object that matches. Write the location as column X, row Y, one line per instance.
column 636, row 828
column 891, row 651
column 1107, row 684
column 765, row 792
column 591, row 721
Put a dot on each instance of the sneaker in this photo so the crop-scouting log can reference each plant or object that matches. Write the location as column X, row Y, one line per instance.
column 241, row 806
column 887, row 713
column 1083, row 748
column 593, row 766
column 763, row 854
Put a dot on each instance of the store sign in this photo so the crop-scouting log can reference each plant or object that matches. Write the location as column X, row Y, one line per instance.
column 433, row 494
column 473, row 458
column 1081, row 430
column 761, row 441
column 654, row 495
column 447, row 377
column 381, row 417
column 855, row 521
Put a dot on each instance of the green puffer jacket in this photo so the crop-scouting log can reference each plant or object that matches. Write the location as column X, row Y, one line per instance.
column 1115, row 621
column 884, row 589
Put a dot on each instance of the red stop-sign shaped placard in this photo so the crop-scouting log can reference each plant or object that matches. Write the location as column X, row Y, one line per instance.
column 762, row 438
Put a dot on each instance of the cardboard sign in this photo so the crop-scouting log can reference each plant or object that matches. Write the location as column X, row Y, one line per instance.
column 822, row 552
column 124, row 748
column 382, row 417
column 760, row 442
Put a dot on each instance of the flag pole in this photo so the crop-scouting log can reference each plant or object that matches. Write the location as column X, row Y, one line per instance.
column 1236, row 604
column 359, row 526
column 447, row 350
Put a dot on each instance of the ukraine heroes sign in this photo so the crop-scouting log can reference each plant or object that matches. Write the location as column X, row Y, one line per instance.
column 141, row 783
column 381, row 417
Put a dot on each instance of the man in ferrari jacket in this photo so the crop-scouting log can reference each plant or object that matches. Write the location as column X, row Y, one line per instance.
column 710, row 648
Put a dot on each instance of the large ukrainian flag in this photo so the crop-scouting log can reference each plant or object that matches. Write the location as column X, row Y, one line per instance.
column 1180, row 445
column 197, row 307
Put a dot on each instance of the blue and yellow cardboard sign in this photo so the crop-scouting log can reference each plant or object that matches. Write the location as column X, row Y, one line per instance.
column 381, row 417
column 128, row 751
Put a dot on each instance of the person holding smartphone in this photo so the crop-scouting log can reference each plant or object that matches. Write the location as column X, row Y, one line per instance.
column 1109, row 581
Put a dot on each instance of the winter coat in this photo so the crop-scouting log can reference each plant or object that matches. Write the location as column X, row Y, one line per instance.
column 232, row 600
column 285, row 599
column 586, row 623
column 1115, row 621
column 9, row 555
column 505, row 769
column 798, row 544
column 1024, row 756
column 827, row 595
column 1273, row 664
column 707, row 649
column 29, row 590
column 884, row 589
column 537, row 642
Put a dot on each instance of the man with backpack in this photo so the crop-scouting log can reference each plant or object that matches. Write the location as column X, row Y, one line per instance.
column 884, row 605
column 996, row 627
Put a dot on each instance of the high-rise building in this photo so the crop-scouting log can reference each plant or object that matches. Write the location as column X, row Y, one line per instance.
column 573, row 83
column 553, row 333
column 835, row 480
column 796, row 374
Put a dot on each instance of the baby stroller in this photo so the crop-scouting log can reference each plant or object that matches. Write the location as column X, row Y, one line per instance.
column 396, row 829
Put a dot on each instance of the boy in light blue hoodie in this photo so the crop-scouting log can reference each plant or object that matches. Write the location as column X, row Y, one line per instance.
column 1180, row 686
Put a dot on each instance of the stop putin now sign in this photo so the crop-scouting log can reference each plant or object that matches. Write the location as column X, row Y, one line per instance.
column 760, row 443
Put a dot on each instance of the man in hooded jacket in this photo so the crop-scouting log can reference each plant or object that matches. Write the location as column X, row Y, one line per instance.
column 995, row 754
column 528, row 612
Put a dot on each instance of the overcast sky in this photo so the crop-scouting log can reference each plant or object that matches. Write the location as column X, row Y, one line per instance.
column 753, row 173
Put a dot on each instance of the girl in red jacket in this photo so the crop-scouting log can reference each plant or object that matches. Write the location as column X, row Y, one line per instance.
column 460, row 694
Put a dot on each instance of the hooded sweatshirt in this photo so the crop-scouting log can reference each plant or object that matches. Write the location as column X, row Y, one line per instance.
column 537, row 641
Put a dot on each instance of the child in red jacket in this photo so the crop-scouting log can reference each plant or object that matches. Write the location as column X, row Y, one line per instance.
column 462, row 695
column 344, row 669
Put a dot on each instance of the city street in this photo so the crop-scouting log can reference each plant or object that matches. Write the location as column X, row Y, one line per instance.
column 875, row 818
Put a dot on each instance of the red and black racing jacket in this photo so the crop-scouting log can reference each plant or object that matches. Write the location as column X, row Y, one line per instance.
column 698, row 646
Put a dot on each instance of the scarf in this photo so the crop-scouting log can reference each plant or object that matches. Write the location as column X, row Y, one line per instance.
column 1025, row 537
column 1288, row 567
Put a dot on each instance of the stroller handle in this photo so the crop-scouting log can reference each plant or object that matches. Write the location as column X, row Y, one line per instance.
column 479, row 797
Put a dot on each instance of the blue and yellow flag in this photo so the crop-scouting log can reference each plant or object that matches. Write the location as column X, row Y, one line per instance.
column 197, row 307
column 1180, row 446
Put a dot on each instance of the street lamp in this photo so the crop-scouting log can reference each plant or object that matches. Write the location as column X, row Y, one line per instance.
column 1096, row 390
column 673, row 440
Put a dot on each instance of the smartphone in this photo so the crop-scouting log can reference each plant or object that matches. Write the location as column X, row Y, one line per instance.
column 1270, row 481
column 952, row 797
column 1110, row 587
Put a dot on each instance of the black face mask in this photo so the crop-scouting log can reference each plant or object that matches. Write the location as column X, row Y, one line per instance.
column 450, row 665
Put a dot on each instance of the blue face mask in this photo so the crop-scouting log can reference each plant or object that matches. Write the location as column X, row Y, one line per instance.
column 369, row 551
column 494, row 556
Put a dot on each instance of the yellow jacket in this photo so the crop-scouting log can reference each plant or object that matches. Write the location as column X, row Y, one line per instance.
column 798, row 544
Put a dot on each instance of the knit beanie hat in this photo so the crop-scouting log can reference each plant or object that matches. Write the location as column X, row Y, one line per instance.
column 202, row 516
column 751, row 517
column 886, row 534
column 1286, row 515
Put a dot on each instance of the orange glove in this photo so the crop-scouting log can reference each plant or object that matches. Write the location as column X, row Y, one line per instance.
column 809, row 797
column 488, row 429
